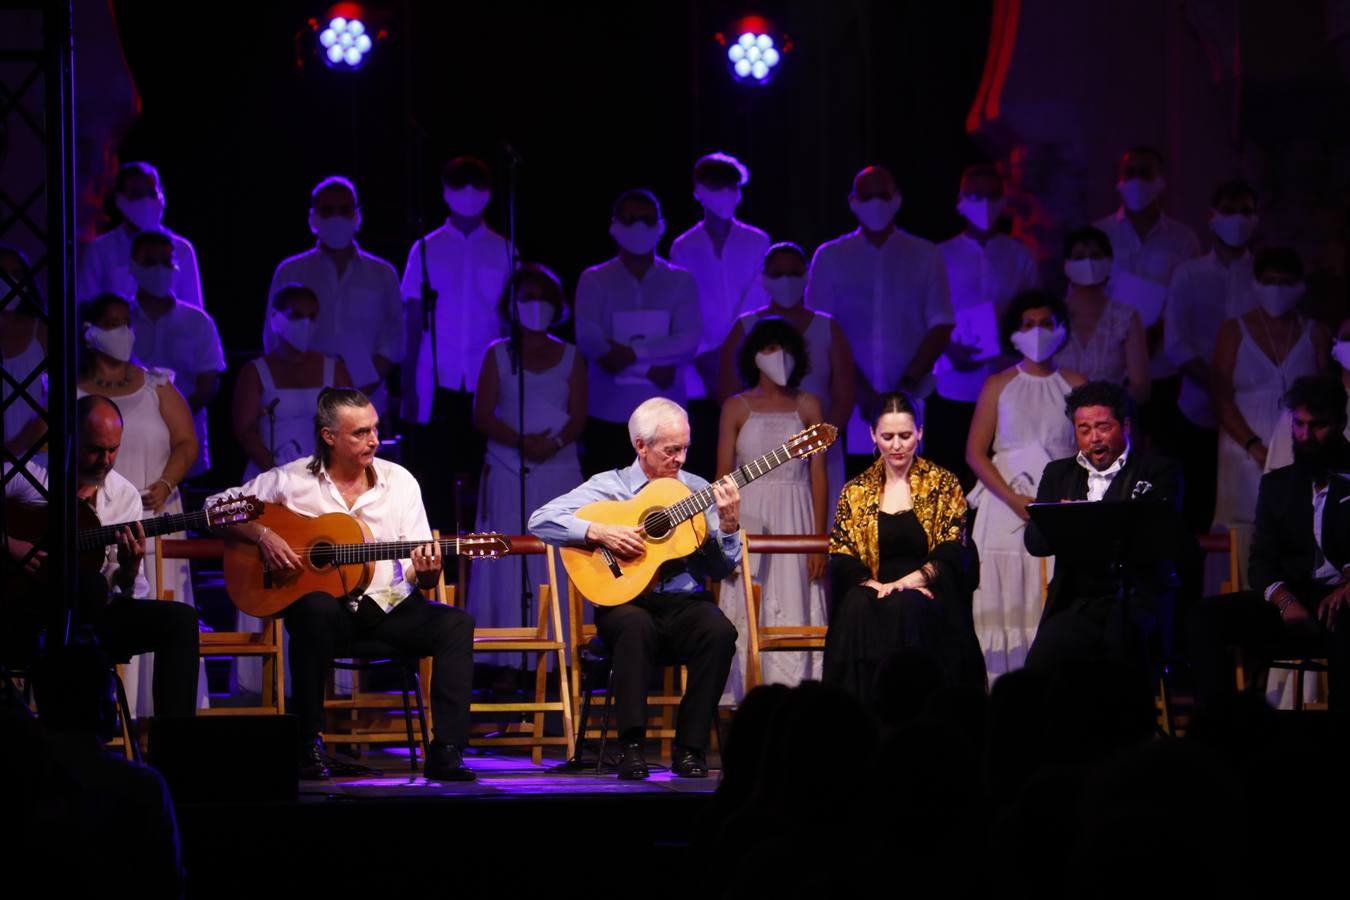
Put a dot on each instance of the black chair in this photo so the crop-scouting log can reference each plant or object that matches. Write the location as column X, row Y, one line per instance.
column 368, row 656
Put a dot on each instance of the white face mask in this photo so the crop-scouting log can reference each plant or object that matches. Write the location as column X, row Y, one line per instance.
column 1137, row 194
column 1278, row 299
column 115, row 342
column 535, row 315
column 1039, row 344
column 157, row 281
column 1235, row 230
column 1088, row 272
column 982, row 214
column 639, row 238
column 296, row 332
column 1340, row 351
column 334, row 232
column 146, row 213
column 467, row 201
column 777, row 366
column 876, row 214
column 721, row 202
column 785, row 290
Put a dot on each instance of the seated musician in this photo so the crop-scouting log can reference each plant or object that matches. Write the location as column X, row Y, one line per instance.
column 344, row 476
column 1085, row 618
column 113, row 607
column 676, row 616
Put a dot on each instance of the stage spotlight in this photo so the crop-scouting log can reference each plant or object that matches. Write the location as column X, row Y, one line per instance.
column 346, row 36
column 755, row 49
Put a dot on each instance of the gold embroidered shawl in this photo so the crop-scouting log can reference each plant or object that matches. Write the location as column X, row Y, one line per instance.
column 939, row 505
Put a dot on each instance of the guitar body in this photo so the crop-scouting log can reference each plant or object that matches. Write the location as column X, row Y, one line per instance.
column 30, row 523
column 261, row 593
column 591, row 572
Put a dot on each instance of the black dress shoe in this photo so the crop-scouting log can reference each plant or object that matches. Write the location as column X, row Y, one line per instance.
column 446, row 763
column 632, row 764
column 689, row 763
column 313, row 764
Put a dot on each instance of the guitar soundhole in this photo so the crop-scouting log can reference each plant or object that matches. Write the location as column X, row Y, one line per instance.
column 656, row 524
column 321, row 555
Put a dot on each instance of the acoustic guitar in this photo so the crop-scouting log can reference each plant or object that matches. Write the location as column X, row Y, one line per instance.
column 337, row 554
column 29, row 522
column 672, row 522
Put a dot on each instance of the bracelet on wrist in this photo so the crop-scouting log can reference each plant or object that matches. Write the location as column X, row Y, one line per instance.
column 165, row 482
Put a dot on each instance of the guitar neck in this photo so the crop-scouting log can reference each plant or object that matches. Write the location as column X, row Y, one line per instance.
column 94, row 538
column 346, row 554
column 698, row 501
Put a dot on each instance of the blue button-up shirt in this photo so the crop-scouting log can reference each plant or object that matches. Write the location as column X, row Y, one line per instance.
column 556, row 522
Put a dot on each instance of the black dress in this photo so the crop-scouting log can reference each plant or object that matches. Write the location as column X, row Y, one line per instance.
column 864, row 630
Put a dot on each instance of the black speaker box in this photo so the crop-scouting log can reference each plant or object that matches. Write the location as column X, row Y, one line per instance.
column 226, row 759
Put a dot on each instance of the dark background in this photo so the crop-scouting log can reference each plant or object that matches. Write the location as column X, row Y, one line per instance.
column 595, row 97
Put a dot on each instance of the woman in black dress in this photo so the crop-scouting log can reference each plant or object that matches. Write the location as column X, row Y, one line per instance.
column 901, row 569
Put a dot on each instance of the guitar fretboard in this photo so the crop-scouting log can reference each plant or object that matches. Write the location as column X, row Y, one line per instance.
column 94, row 538
column 698, row 501
column 346, row 554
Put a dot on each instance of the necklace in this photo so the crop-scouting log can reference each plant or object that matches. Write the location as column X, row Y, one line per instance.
column 126, row 380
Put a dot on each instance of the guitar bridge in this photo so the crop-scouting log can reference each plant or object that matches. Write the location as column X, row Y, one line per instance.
column 611, row 562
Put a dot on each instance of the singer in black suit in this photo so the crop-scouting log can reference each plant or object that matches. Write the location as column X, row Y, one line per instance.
column 1085, row 617
column 1299, row 569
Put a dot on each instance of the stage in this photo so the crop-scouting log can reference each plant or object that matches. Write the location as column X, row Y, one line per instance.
column 519, row 825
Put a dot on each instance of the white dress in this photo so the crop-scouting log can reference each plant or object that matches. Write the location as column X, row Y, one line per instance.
column 21, row 412
column 141, row 460
column 777, row 503
column 1102, row 356
column 494, row 586
column 293, row 438
column 818, row 337
column 1032, row 430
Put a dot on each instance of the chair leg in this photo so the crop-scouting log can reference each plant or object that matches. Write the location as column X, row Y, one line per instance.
column 579, row 745
column 1298, row 690
column 604, row 721
column 132, row 748
column 421, row 708
column 407, row 716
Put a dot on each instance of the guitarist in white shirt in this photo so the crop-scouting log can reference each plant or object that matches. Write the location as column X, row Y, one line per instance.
column 125, row 622
column 345, row 476
column 677, row 616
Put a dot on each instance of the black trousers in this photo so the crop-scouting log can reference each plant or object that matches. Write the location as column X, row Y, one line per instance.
column 446, row 448
column 1134, row 634
column 124, row 628
column 127, row 627
column 323, row 627
column 1245, row 621
column 1198, row 450
column 605, row 446
column 705, row 416
column 668, row 627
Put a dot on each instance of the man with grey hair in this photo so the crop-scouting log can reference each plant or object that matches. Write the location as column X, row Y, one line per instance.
column 675, row 617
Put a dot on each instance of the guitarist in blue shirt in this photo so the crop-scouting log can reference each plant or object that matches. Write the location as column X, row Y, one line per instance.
column 676, row 616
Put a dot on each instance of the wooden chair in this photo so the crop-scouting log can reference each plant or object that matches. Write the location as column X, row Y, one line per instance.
column 545, row 641
column 265, row 644
column 775, row 638
column 581, row 634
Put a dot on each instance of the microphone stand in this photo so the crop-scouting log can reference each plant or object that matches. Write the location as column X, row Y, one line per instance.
column 517, row 351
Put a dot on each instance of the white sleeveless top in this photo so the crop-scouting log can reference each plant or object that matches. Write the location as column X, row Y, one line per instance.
column 290, row 430
column 545, row 410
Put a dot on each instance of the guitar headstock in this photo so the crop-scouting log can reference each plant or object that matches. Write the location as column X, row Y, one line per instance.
column 811, row 441
column 483, row 546
column 235, row 511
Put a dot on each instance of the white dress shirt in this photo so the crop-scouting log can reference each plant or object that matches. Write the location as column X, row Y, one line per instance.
column 983, row 279
column 886, row 299
column 105, row 265
column 609, row 288
column 1142, row 269
column 360, row 313
column 1203, row 294
column 392, row 509
column 468, row 273
column 117, row 501
column 1100, row 481
column 185, row 341
column 728, row 285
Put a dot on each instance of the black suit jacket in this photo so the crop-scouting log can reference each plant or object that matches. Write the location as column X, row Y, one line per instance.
column 1156, row 478
column 1283, row 548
